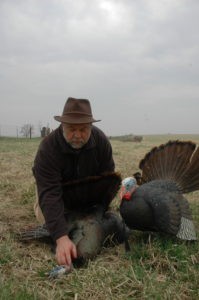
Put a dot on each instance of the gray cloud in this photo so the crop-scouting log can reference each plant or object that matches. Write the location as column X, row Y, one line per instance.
column 137, row 61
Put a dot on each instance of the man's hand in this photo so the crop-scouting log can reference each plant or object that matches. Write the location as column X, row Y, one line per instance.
column 65, row 251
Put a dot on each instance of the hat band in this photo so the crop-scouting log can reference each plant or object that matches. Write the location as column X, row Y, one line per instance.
column 76, row 113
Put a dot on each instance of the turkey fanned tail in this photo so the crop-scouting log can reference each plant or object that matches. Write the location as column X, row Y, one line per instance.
column 177, row 161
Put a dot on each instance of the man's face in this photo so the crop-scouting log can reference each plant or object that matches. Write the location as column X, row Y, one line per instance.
column 77, row 135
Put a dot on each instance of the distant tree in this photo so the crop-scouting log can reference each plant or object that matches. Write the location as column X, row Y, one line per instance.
column 40, row 126
column 45, row 131
column 27, row 130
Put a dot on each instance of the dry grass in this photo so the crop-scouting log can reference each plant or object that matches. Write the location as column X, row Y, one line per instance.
column 158, row 267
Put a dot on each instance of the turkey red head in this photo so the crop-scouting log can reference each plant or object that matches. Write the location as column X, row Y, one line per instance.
column 128, row 186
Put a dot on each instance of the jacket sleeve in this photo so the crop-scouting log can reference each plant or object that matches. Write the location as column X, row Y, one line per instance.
column 106, row 162
column 48, row 180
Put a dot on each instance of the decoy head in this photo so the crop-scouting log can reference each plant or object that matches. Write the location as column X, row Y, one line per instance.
column 129, row 185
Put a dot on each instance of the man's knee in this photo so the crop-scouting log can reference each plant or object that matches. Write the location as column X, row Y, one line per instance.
column 37, row 210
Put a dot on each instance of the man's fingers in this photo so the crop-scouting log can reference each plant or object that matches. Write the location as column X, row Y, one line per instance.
column 64, row 258
column 65, row 251
column 68, row 259
column 60, row 259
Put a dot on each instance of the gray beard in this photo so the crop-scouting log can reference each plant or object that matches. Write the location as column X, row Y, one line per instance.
column 72, row 145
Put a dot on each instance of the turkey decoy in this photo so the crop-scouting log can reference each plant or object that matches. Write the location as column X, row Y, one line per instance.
column 158, row 204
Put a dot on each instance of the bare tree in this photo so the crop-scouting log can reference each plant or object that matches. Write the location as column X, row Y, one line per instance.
column 40, row 126
column 27, row 130
column 45, row 131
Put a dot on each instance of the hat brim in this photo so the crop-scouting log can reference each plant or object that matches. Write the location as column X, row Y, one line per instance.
column 71, row 120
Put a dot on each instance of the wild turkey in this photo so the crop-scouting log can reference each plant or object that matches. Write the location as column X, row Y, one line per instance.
column 93, row 195
column 158, row 203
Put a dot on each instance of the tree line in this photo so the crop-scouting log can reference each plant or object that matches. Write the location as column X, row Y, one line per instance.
column 27, row 130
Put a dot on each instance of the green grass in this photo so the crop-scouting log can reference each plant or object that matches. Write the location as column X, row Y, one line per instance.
column 8, row 292
column 157, row 267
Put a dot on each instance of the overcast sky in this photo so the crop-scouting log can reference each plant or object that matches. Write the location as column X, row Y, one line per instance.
column 137, row 61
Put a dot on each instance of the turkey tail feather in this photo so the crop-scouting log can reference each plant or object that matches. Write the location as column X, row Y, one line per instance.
column 190, row 180
column 177, row 161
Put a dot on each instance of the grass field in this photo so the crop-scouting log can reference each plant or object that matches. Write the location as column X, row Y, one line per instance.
column 158, row 267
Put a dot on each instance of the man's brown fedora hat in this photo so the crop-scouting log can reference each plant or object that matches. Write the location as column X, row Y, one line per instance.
column 76, row 111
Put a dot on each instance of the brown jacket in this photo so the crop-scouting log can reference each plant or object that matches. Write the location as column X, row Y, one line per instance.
column 56, row 162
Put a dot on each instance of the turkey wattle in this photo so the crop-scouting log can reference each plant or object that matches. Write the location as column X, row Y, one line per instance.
column 158, row 204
